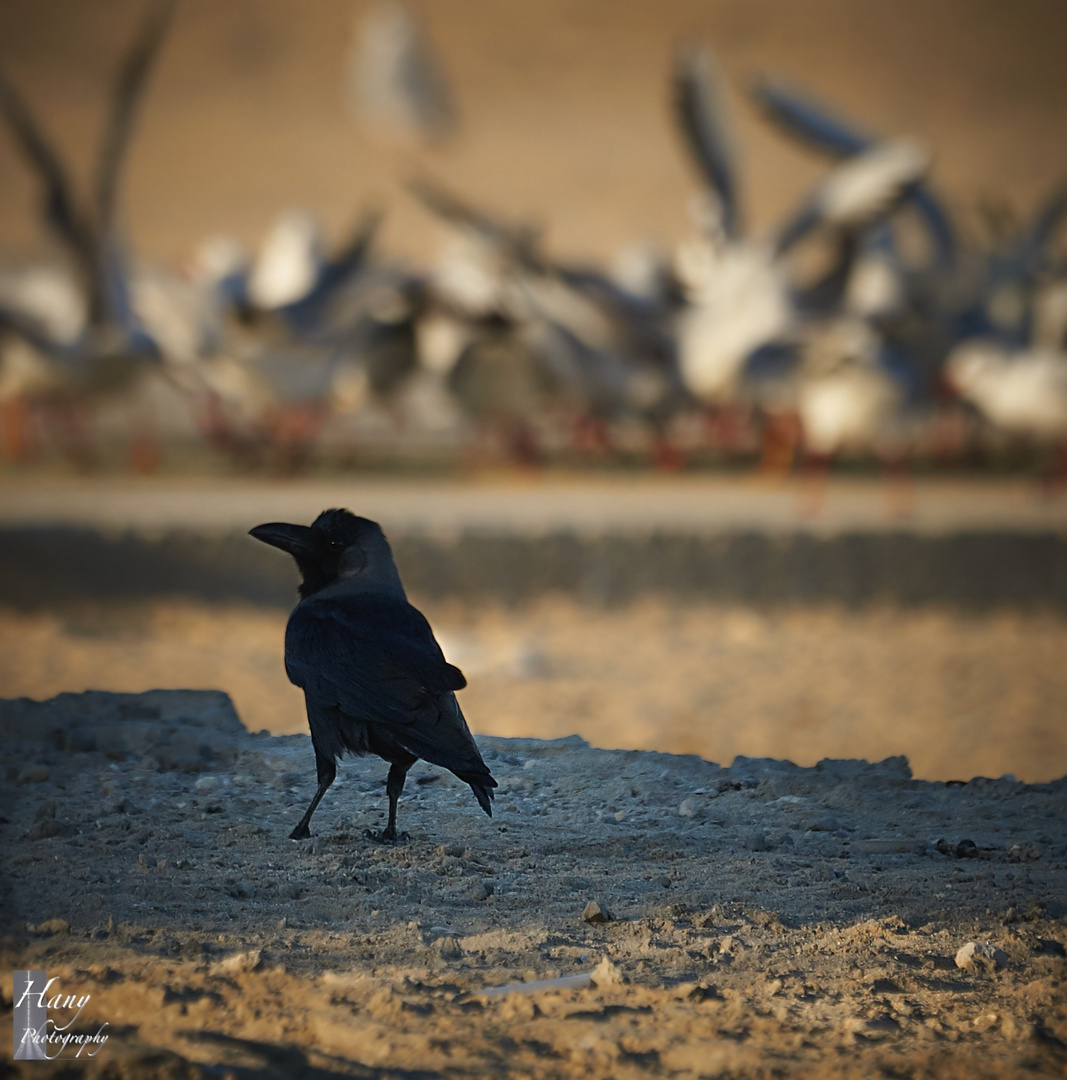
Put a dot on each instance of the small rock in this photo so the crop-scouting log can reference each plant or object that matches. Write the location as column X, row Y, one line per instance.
column 1023, row 853
column 980, row 956
column 482, row 889
column 688, row 808
column 35, row 774
column 596, row 913
column 985, row 1022
column 824, row 823
column 607, row 974
column 448, row 947
column 887, row 846
column 42, row 830
column 237, row 963
column 53, row 926
column 207, row 783
column 966, row 849
column 758, row 840
column 453, row 851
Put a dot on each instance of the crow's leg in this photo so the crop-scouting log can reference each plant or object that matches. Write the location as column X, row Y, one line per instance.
column 394, row 785
column 400, row 760
column 327, row 770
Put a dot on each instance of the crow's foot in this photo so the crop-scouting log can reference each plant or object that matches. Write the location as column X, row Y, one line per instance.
column 386, row 836
column 301, row 832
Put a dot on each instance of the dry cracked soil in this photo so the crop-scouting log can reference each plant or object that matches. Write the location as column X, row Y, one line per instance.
column 760, row 920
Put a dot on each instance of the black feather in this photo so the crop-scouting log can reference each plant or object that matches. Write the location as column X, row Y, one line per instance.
column 375, row 680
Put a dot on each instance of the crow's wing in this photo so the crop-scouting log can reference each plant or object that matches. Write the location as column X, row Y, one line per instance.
column 377, row 661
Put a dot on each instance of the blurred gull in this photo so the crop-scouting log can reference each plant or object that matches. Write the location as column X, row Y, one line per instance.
column 396, row 79
column 702, row 108
column 45, row 364
column 815, row 125
column 1021, row 391
column 289, row 261
column 294, row 277
column 548, row 341
column 847, row 399
column 741, row 296
column 48, row 295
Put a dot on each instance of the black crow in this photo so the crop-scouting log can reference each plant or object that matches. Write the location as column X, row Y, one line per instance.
column 374, row 678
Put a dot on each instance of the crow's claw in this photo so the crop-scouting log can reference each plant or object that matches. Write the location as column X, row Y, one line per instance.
column 385, row 836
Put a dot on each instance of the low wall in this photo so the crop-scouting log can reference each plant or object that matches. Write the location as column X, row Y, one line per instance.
column 50, row 566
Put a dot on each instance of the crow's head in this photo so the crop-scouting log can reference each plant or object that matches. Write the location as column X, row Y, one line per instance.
column 337, row 546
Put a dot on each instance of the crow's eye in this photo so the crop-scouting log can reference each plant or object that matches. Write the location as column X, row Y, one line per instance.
column 336, row 545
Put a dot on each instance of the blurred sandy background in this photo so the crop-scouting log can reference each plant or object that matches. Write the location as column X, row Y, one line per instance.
column 959, row 695
column 563, row 107
column 564, row 119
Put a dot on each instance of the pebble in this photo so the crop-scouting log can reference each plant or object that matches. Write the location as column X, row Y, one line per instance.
column 688, row 808
column 986, row 1021
column 45, row 823
column 596, row 913
column 237, row 963
column 207, row 783
column 824, row 823
column 53, row 926
column 980, row 956
column 1023, row 853
column 482, row 889
column 36, row 774
column 890, row 846
column 448, row 947
column 607, row 974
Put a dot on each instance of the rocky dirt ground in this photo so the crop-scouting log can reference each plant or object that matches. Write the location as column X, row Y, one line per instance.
column 767, row 919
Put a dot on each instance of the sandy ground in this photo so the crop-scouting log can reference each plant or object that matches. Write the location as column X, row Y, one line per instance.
column 767, row 920
column 960, row 695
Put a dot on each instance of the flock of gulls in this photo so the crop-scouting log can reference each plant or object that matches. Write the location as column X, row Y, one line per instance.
column 863, row 325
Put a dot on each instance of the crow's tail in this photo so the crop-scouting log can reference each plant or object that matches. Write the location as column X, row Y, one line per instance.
column 484, row 795
column 482, row 785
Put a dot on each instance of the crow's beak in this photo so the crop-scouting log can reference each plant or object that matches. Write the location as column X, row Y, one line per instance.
column 297, row 540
